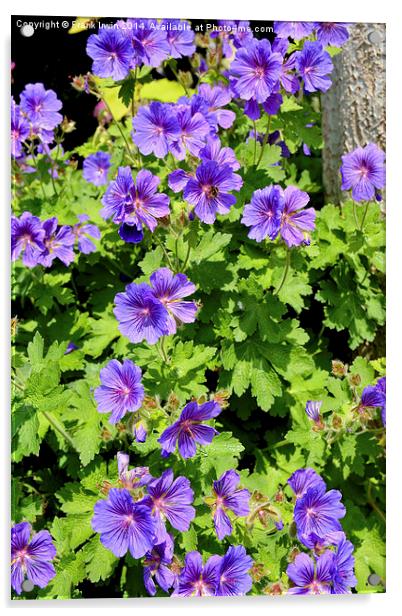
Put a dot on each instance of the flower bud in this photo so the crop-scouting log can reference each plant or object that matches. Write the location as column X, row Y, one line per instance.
column 339, row 368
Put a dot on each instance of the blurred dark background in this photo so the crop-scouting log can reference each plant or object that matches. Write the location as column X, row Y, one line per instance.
column 54, row 57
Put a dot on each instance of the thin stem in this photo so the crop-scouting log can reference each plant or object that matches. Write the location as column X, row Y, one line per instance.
column 264, row 142
column 35, row 161
column 133, row 98
column 364, row 216
column 118, row 126
column 285, row 273
column 183, row 269
column 60, row 428
column 164, row 251
column 179, row 81
column 255, row 143
column 373, row 505
column 163, row 351
column 355, row 215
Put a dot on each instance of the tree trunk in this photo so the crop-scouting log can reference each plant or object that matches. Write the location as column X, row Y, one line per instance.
column 353, row 109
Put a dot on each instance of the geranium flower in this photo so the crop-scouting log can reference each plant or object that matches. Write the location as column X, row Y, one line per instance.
column 111, row 53
column 170, row 499
column 27, row 235
column 314, row 64
column 140, row 315
column 96, row 167
column 189, row 429
column 227, row 496
column 311, row 577
column 363, row 171
column 121, row 390
column 170, row 289
column 31, row 558
column 124, row 525
column 156, row 566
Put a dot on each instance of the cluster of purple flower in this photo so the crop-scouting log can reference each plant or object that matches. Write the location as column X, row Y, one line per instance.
column 316, row 515
column 182, row 127
column 35, row 117
column 374, row 396
column 134, row 42
column 133, row 519
column 31, row 558
column 274, row 211
column 132, row 204
column 363, row 172
column 260, row 69
column 39, row 243
column 209, row 189
column 328, row 33
column 151, row 311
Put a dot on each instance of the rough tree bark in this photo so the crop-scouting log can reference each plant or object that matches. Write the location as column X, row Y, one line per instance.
column 353, row 109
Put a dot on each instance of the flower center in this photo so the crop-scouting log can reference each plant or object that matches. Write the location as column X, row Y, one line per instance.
column 211, row 192
column 259, row 72
column 38, row 107
column 125, row 391
column 364, row 171
column 128, row 520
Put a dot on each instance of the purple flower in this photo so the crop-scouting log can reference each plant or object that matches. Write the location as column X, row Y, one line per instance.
column 313, row 409
column 156, row 129
column 330, row 33
column 314, row 64
column 149, row 43
column 58, row 243
column 264, row 213
column 209, row 190
column 96, row 167
column 255, row 71
column 318, row 544
column 82, row 231
column 27, row 235
column 41, row 106
column 381, row 386
column 303, row 479
column 135, row 203
column 233, row 577
column 216, row 97
column 170, row 290
column 124, row 525
column 228, row 497
column 372, row 397
column 121, row 390
column 195, row 579
column 189, row 429
column 111, row 53
column 293, row 29
column 363, row 171
column 19, row 130
column 156, row 566
column 288, row 79
column 70, row 348
column 134, row 478
column 375, row 396
column 318, row 511
column 30, row 558
column 193, row 131
column 180, row 37
column 170, row 499
column 295, row 223
column 311, row 577
column 344, row 577
column 213, row 150
column 140, row 315
column 178, row 179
